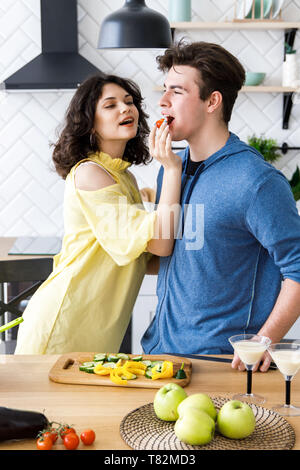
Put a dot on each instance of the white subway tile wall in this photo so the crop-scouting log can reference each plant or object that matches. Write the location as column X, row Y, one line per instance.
column 31, row 194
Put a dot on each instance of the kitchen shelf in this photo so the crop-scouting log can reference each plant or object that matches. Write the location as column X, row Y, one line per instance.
column 236, row 25
column 269, row 89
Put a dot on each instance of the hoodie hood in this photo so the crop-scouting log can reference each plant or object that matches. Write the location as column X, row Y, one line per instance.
column 59, row 66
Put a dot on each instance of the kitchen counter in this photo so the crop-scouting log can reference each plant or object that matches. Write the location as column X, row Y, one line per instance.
column 24, row 384
column 6, row 244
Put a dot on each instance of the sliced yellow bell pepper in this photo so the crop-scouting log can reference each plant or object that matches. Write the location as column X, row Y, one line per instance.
column 115, row 376
column 100, row 370
column 136, row 371
column 121, row 373
column 166, row 371
column 105, row 371
column 128, row 374
column 135, row 365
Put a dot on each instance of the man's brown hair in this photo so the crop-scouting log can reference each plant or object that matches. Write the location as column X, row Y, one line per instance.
column 218, row 70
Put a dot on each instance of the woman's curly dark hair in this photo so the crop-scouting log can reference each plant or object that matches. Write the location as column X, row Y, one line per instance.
column 75, row 144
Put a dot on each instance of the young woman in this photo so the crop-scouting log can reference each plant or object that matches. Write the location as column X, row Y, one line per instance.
column 86, row 302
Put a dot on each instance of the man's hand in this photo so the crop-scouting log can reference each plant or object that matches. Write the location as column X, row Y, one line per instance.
column 263, row 365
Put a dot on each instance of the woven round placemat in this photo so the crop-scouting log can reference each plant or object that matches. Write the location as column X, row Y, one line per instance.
column 142, row 430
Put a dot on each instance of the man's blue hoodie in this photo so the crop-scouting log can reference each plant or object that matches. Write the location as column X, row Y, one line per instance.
column 238, row 238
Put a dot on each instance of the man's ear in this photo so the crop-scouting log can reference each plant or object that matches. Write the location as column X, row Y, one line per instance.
column 214, row 102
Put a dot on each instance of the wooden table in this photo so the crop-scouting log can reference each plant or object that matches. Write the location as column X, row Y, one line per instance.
column 24, row 384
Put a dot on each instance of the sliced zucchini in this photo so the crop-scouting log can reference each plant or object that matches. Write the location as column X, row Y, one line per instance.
column 137, row 358
column 159, row 363
column 98, row 362
column 112, row 365
column 131, row 378
column 88, row 364
column 112, row 358
column 123, row 356
column 99, row 357
column 147, row 363
column 148, row 373
column 89, row 369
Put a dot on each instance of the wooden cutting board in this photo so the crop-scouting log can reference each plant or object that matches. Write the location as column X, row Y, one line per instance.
column 66, row 370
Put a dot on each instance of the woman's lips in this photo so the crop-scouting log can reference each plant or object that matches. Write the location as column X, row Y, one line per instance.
column 127, row 122
column 130, row 124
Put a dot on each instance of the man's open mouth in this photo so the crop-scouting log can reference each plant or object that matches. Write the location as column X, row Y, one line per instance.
column 169, row 119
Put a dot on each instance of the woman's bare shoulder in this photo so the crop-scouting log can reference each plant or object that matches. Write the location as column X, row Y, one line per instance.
column 90, row 176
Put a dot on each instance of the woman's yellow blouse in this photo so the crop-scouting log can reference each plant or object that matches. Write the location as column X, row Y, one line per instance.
column 87, row 301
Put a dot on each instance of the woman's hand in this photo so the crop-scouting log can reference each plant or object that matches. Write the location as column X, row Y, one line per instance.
column 168, row 209
column 160, row 146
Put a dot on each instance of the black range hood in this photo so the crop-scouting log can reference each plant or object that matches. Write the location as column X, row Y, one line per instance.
column 59, row 66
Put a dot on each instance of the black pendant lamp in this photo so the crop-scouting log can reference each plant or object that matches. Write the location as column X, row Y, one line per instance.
column 135, row 26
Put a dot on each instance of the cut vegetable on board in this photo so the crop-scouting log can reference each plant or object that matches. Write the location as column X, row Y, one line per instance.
column 129, row 370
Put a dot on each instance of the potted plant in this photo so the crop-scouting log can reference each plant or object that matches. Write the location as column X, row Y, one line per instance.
column 295, row 184
column 267, row 147
column 269, row 150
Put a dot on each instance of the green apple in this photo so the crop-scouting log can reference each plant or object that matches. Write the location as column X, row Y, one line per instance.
column 198, row 400
column 166, row 401
column 236, row 420
column 195, row 427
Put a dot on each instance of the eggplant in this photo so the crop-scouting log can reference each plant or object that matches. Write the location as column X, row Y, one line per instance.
column 20, row 424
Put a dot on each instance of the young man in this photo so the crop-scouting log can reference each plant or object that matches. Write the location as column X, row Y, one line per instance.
column 239, row 235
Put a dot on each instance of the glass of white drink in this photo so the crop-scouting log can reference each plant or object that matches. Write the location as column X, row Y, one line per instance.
column 250, row 349
column 287, row 358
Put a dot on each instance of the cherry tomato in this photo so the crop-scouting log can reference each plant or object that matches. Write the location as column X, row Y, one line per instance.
column 71, row 441
column 66, row 430
column 44, row 443
column 159, row 123
column 88, row 436
column 52, row 434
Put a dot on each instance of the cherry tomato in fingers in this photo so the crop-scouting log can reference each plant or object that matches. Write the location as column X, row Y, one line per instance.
column 44, row 443
column 71, row 441
column 88, row 436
